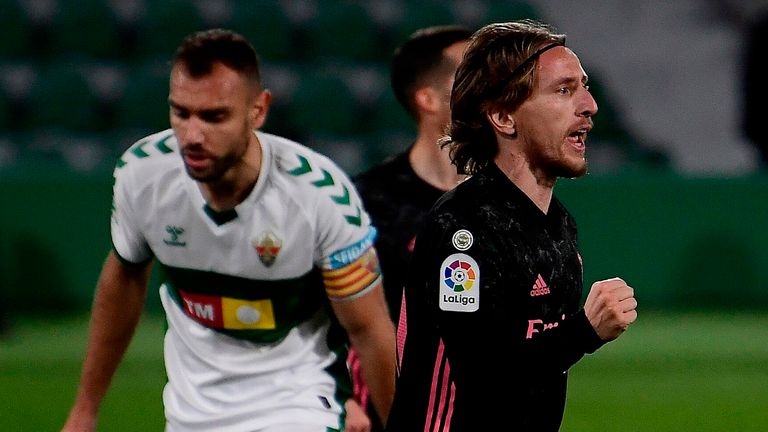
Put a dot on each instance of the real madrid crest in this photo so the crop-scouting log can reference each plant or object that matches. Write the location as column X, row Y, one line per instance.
column 267, row 245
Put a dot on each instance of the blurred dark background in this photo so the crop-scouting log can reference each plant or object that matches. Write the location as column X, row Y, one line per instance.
column 81, row 80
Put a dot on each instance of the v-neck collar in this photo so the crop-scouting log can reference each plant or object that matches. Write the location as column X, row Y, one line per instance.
column 223, row 217
column 514, row 194
column 219, row 217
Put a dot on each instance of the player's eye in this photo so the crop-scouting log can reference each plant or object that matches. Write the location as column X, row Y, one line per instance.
column 182, row 114
column 212, row 116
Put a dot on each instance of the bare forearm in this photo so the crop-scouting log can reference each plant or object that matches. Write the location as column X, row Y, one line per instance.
column 377, row 358
column 111, row 328
column 372, row 335
column 117, row 307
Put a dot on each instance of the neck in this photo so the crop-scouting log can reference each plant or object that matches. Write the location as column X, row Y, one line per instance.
column 517, row 168
column 433, row 164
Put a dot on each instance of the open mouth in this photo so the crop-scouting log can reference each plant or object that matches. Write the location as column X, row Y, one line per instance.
column 578, row 138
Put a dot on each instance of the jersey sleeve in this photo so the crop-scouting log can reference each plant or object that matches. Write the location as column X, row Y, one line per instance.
column 127, row 239
column 348, row 259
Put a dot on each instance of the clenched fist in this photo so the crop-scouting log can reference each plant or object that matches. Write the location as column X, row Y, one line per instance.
column 611, row 307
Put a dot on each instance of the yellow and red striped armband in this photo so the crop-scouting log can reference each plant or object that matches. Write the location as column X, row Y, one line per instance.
column 353, row 279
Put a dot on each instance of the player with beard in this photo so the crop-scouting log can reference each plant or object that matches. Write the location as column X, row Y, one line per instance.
column 267, row 260
column 493, row 298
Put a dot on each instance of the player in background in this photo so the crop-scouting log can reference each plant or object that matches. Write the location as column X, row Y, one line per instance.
column 398, row 192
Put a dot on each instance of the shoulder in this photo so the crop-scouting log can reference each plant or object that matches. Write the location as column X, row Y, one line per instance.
column 464, row 198
column 461, row 208
column 394, row 170
column 293, row 158
column 153, row 156
column 314, row 179
column 393, row 166
column 308, row 168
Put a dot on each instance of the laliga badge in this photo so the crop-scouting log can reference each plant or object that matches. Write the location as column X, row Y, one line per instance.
column 459, row 284
column 267, row 245
column 462, row 240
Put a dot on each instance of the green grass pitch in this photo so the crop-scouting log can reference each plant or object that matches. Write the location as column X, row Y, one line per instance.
column 672, row 371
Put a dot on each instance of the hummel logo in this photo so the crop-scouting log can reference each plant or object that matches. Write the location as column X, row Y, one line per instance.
column 540, row 288
column 174, row 233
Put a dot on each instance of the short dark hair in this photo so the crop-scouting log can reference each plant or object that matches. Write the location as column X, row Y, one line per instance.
column 420, row 59
column 497, row 74
column 199, row 51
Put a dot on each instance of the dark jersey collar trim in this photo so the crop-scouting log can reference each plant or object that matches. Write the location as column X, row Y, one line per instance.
column 220, row 218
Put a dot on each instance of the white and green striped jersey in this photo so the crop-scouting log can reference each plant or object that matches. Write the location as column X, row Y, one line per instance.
column 251, row 340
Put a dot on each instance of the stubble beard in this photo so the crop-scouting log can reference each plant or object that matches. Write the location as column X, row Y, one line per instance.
column 549, row 167
column 568, row 170
column 219, row 168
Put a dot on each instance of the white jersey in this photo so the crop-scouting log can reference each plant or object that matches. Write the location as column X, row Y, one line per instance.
column 251, row 341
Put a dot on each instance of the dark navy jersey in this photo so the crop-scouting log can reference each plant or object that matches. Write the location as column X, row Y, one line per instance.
column 396, row 199
column 493, row 313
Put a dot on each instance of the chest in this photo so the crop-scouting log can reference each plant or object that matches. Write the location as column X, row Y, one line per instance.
column 534, row 269
column 269, row 239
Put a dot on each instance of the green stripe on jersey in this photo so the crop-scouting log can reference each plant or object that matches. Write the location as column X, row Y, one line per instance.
column 328, row 180
column 293, row 300
column 140, row 150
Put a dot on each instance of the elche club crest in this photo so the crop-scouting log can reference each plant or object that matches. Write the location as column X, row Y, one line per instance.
column 268, row 246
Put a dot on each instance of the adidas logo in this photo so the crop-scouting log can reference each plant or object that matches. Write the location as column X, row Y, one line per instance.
column 540, row 288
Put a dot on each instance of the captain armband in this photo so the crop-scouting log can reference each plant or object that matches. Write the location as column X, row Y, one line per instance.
column 353, row 279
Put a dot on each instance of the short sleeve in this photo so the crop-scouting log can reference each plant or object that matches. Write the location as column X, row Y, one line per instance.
column 127, row 239
column 345, row 238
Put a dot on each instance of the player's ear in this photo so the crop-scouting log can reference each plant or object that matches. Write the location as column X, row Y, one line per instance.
column 426, row 99
column 259, row 109
column 502, row 123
